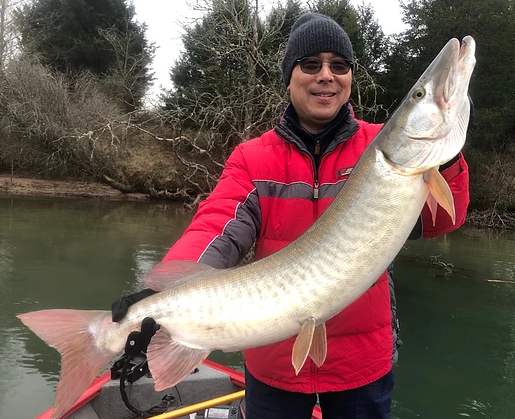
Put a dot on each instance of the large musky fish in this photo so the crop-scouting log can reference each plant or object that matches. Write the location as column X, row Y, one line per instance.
column 295, row 290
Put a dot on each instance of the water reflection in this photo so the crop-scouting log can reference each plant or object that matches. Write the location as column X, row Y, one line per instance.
column 145, row 257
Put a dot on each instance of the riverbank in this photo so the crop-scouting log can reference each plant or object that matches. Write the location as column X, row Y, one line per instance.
column 19, row 186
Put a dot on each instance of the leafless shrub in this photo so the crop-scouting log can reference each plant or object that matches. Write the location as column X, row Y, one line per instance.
column 492, row 188
column 56, row 126
column 366, row 92
column 242, row 94
column 51, row 124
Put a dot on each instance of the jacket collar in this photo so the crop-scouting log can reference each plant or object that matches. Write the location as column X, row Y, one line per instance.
column 340, row 130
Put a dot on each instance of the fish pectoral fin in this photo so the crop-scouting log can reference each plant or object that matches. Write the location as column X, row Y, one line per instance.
column 302, row 344
column 433, row 207
column 318, row 350
column 169, row 274
column 440, row 191
column 169, row 361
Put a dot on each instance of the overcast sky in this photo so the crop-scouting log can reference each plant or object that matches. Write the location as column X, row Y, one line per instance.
column 164, row 18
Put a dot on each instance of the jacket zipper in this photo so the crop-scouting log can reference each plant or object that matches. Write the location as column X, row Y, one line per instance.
column 316, row 189
column 316, row 180
column 316, row 184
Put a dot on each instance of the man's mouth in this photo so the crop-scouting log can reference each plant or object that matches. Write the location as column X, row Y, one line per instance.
column 324, row 94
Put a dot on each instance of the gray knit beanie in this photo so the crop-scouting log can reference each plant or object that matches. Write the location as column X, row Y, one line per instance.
column 311, row 34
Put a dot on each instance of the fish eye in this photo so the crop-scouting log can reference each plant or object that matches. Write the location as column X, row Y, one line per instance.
column 419, row 93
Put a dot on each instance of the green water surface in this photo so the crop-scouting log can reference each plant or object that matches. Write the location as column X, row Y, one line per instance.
column 458, row 357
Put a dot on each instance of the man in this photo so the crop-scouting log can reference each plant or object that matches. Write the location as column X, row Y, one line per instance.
column 272, row 189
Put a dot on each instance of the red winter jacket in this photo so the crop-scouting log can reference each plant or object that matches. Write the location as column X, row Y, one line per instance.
column 267, row 195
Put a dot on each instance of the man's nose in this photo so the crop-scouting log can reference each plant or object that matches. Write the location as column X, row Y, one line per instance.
column 325, row 73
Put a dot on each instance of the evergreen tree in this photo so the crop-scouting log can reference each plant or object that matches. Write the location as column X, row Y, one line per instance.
column 492, row 24
column 99, row 36
column 228, row 80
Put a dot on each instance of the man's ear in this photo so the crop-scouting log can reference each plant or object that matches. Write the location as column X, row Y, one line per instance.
column 288, row 88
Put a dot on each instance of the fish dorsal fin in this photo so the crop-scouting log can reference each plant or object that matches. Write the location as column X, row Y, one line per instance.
column 169, row 361
column 169, row 274
column 440, row 191
column 302, row 344
column 318, row 350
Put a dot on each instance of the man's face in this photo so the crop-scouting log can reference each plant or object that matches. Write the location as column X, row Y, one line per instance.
column 317, row 98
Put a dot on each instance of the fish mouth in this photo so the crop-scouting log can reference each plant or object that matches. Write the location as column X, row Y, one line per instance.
column 462, row 60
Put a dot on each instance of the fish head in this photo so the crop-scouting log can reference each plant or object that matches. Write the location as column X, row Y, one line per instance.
column 431, row 122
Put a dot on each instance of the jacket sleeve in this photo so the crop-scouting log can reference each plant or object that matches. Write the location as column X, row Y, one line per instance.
column 226, row 224
column 457, row 176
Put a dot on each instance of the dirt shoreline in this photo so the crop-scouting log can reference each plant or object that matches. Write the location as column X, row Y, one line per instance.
column 30, row 187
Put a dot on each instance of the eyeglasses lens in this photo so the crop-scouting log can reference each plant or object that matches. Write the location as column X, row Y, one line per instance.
column 312, row 65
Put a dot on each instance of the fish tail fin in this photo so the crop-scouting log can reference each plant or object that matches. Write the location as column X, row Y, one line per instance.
column 71, row 333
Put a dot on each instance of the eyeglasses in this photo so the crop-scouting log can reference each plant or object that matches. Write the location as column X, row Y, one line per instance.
column 312, row 65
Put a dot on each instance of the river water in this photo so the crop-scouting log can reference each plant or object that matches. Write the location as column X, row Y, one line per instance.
column 458, row 357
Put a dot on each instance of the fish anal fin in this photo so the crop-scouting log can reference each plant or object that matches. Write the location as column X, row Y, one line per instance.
column 302, row 344
column 82, row 361
column 439, row 189
column 318, row 351
column 169, row 361
column 171, row 273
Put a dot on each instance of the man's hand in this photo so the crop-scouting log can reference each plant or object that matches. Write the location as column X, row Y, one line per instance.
column 119, row 307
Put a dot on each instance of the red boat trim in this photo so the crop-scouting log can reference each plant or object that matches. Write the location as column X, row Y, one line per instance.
column 237, row 378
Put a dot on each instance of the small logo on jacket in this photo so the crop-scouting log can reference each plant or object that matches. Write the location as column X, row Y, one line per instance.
column 344, row 172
